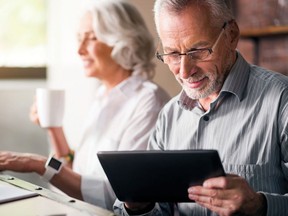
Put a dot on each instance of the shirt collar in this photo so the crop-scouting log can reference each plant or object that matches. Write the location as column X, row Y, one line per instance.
column 237, row 79
column 235, row 83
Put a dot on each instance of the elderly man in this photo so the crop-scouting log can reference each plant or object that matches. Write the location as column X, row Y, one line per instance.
column 226, row 104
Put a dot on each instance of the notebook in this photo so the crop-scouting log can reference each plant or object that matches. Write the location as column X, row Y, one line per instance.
column 158, row 176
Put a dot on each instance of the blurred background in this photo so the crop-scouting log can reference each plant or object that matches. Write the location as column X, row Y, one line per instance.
column 38, row 48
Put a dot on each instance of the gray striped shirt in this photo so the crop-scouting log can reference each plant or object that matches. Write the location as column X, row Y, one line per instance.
column 247, row 124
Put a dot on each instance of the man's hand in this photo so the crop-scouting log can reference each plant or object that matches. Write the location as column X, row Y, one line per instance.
column 228, row 195
column 138, row 208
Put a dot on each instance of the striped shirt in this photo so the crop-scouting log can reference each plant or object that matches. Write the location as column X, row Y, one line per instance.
column 247, row 124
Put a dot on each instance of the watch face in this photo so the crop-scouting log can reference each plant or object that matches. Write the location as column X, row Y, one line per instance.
column 54, row 163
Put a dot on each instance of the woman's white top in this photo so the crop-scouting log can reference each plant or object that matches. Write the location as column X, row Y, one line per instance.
column 121, row 120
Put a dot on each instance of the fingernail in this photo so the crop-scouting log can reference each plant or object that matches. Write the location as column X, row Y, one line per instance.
column 206, row 184
column 191, row 190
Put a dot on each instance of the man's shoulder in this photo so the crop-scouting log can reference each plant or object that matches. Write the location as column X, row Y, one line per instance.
column 268, row 77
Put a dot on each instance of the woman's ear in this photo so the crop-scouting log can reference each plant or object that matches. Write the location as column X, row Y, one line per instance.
column 234, row 33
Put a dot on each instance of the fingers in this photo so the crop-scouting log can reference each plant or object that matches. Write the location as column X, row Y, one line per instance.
column 220, row 182
column 33, row 115
column 224, row 195
column 230, row 210
column 6, row 160
column 217, row 200
column 208, row 195
column 224, row 182
column 22, row 162
column 220, row 187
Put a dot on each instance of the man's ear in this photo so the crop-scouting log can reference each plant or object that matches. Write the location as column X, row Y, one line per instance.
column 234, row 34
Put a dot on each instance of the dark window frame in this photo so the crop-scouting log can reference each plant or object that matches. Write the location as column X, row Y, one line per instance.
column 23, row 73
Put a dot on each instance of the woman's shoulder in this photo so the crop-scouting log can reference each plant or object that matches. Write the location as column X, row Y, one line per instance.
column 154, row 90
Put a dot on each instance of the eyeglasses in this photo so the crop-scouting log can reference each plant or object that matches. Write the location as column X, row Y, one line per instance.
column 195, row 54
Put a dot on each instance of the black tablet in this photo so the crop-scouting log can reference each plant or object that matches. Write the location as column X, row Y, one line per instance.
column 158, row 176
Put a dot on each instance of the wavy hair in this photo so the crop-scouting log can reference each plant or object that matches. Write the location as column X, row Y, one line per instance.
column 220, row 10
column 121, row 26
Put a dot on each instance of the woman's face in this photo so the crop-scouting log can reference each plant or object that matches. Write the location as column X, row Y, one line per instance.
column 96, row 55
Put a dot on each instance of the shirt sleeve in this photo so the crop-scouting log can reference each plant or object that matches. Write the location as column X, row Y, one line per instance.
column 277, row 204
column 97, row 191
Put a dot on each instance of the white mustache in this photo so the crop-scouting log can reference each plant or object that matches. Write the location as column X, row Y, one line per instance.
column 190, row 79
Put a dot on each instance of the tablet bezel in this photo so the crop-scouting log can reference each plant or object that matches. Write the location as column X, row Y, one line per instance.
column 158, row 176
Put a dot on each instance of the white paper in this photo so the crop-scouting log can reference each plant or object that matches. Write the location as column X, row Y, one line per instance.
column 10, row 193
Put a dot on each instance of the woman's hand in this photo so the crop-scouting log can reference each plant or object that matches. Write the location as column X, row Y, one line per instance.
column 22, row 162
column 34, row 114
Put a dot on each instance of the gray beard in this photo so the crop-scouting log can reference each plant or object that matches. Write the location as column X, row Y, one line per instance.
column 215, row 86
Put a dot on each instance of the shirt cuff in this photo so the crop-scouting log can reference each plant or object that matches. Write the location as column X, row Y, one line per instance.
column 276, row 204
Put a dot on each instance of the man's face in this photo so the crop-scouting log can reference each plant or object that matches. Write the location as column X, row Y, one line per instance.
column 191, row 29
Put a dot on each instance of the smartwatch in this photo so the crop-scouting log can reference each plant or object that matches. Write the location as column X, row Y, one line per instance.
column 53, row 166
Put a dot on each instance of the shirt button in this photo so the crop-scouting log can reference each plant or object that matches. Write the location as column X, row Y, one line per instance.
column 206, row 118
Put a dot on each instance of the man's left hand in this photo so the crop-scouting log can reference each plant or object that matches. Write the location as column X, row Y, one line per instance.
column 228, row 195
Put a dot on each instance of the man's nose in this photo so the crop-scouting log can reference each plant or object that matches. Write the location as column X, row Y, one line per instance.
column 187, row 67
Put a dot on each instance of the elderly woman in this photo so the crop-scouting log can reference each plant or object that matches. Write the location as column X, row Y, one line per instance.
column 116, row 48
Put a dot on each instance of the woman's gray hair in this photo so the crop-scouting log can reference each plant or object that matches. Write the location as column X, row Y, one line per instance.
column 220, row 10
column 121, row 26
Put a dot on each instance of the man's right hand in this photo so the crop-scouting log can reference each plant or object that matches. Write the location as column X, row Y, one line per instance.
column 138, row 208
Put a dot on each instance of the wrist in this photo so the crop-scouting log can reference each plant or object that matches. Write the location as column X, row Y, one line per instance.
column 37, row 164
column 52, row 167
column 68, row 158
column 262, row 210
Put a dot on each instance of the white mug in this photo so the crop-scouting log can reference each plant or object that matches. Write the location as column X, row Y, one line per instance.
column 50, row 107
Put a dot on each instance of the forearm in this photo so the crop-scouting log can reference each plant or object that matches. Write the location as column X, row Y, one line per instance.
column 69, row 182
column 59, row 142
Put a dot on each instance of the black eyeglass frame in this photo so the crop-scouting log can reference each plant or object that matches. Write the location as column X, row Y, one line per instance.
column 210, row 50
